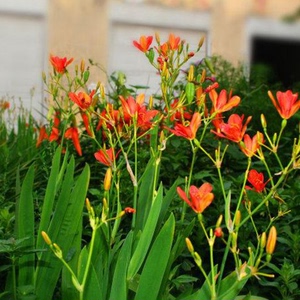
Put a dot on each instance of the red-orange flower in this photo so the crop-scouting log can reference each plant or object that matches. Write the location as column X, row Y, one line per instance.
column 106, row 156
column 287, row 103
column 54, row 135
column 144, row 43
column 257, row 181
column 234, row 130
column 60, row 64
column 72, row 133
column 109, row 116
column 82, row 99
column 4, row 105
column 221, row 102
column 250, row 146
column 173, row 41
column 86, row 121
column 144, row 121
column 200, row 198
column 129, row 210
column 134, row 108
column 131, row 106
column 178, row 112
column 189, row 132
column 42, row 136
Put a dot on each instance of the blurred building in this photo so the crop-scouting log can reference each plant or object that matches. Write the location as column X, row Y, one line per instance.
column 248, row 31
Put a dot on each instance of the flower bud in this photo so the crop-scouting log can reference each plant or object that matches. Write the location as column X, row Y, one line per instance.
column 191, row 73
column 121, row 214
column 263, row 240
column 218, row 232
column 283, row 123
column 197, row 259
column 271, row 242
column 219, row 222
column 150, row 106
column 129, row 210
column 189, row 245
column 234, row 242
column 203, row 76
column 201, row 42
column 46, row 238
column 107, row 179
column 157, row 38
column 82, row 66
column 263, row 121
column 237, row 219
column 209, row 65
column 57, row 251
column 88, row 204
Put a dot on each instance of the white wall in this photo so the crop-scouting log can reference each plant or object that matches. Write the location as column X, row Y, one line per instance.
column 129, row 21
column 23, row 37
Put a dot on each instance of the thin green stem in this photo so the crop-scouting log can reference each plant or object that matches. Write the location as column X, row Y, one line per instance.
column 89, row 260
column 243, row 187
column 210, row 241
column 14, row 280
column 135, row 186
column 184, row 205
column 237, row 208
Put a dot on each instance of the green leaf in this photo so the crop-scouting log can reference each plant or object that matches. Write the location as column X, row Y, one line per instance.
column 24, row 228
column 231, row 286
column 155, row 265
column 145, row 195
column 93, row 286
column 228, row 220
column 190, row 92
column 63, row 229
column 51, row 189
column 72, row 257
column 119, row 284
column 204, row 292
column 146, row 236
column 252, row 297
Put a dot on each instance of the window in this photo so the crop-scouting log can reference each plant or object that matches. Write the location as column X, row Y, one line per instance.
column 275, row 45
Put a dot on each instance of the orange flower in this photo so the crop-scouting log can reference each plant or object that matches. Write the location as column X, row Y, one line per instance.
column 134, row 108
column 173, row 41
column 86, row 121
column 189, row 132
column 221, row 103
column 82, row 99
column 106, row 157
column 200, row 198
column 42, row 136
column 287, row 103
column 4, row 105
column 178, row 112
column 257, row 180
column 144, row 43
column 54, row 135
column 271, row 242
column 234, row 130
column 109, row 116
column 131, row 106
column 72, row 133
column 250, row 146
column 60, row 64
column 129, row 210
